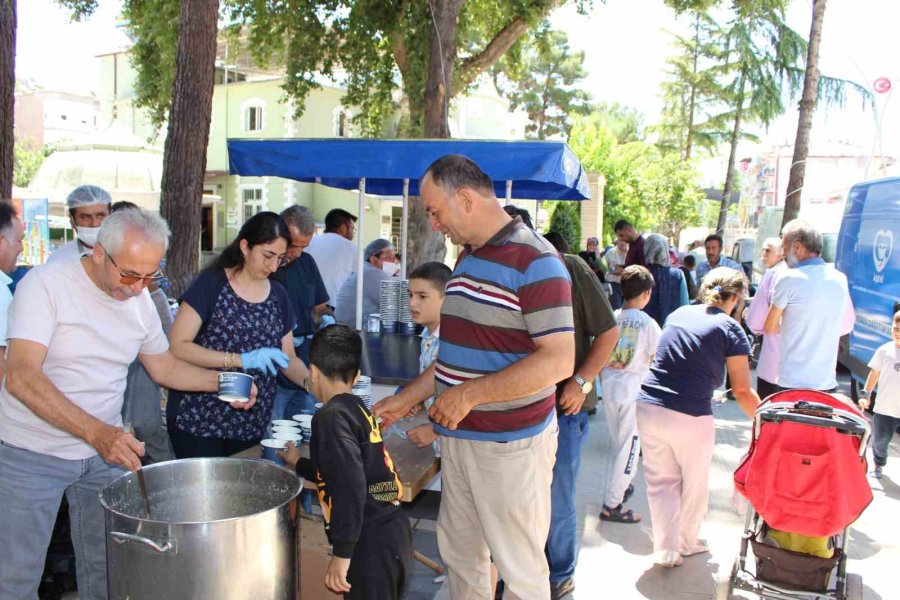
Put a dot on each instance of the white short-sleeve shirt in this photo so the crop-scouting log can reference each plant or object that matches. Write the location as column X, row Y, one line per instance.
column 90, row 337
column 5, row 300
column 886, row 361
column 633, row 354
column 336, row 258
column 817, row 312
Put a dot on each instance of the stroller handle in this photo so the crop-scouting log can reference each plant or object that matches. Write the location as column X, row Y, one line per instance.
column 815, row 415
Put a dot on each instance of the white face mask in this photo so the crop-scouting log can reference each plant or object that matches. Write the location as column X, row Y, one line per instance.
column 88, row 235
column 391, row 268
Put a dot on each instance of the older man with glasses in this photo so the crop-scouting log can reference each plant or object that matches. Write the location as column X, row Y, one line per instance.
column 75, row 327
column 141, row 408
column 755, row 317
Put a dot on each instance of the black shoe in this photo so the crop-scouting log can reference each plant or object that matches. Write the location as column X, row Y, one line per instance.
column 562, row 589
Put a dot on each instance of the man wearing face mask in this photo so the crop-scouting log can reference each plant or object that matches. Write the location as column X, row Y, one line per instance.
column 88, row 205
column 811, row 309
column 381, row 264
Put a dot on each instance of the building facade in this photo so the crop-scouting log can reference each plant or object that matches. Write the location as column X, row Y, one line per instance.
column 249, row 103
column 50, row 117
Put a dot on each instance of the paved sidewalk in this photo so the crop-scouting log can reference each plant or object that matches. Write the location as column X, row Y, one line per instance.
column 615, row 559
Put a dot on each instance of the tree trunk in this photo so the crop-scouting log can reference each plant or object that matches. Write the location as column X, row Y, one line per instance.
column 441, row 60
column 545, row 103
column 184, row 163
column 7, row 94
column 807, row 109
column 735, row 137
column 693, row 101
column 424, row 244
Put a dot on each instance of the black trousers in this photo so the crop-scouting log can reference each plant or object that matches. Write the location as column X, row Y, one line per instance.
column 187, row 445
column 765, row 388
column 382, row 561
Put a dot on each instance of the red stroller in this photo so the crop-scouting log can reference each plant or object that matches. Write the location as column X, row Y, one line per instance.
column 805, row 474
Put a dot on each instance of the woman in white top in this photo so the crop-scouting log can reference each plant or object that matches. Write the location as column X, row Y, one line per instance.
column 615, row 260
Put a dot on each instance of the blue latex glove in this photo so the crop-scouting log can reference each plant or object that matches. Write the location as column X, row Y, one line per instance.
column 265, row 359
column 326, row 321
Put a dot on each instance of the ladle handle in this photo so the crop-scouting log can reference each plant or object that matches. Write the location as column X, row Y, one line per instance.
column 162, row 548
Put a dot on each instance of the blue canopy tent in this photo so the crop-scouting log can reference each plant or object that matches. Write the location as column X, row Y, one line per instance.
column 534, row 170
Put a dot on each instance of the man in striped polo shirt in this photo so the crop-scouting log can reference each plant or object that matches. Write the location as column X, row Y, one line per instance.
column 506, row 340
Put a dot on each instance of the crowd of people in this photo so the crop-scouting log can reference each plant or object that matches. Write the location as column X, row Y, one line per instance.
column 517, row 336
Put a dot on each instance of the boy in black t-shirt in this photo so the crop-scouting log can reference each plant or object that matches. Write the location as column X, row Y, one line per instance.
column 358, row 487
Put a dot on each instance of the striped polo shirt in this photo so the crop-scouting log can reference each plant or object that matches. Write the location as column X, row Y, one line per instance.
column 502, row 297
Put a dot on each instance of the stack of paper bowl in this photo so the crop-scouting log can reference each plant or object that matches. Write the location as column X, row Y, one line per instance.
column 305, row 422
column 406, row 325
column 284, row 430
column 389, row 305
column 363, row 389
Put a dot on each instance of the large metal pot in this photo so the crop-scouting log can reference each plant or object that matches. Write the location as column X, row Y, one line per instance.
column 220, row 528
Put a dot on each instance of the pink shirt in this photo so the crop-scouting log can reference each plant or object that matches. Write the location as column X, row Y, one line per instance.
column 770, row 355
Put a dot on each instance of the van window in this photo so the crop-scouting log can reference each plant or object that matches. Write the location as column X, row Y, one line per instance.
column 829, row 247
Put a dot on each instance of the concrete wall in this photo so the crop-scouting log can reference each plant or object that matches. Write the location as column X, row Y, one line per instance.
column 29, row 119
column 592, row 210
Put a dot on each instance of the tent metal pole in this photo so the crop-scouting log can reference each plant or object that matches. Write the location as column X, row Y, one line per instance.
column 508, row 191
column 537, row 207
column 404, row 229
column 361, row 211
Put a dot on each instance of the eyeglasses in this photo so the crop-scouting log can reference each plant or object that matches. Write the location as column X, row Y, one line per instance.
column 132, row 279
column 268, row 260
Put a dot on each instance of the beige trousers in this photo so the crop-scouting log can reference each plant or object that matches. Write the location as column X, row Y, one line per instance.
column 678, row 451
column 495, row 505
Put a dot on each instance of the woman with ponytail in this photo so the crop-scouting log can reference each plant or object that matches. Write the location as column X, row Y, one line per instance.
column 674, row 412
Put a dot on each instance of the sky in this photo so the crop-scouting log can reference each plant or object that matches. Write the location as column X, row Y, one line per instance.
column 625, row 43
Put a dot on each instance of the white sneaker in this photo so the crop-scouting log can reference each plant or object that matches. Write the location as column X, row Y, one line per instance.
column 668, row 559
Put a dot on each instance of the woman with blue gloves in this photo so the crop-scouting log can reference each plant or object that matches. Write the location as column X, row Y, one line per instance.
column 234, row 318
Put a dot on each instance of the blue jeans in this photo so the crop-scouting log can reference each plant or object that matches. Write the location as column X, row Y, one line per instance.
column 287, row 404
column 885, row 427
column 616, row 299
column 562, row 543
column 31, row 489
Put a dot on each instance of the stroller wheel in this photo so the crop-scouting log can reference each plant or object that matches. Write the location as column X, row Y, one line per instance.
column 854, row 589
column 732, row 581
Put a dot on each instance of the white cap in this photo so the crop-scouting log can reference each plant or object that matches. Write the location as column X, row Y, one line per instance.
column 86, row 195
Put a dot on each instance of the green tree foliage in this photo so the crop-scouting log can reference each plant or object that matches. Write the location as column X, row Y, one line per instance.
column 566, row 220
column 651, row 188
column 690, row 91
column 730, row 77
column 371, row 47
column 624, row 122
column 542, row 78
column 153, row 24
column 27, row 159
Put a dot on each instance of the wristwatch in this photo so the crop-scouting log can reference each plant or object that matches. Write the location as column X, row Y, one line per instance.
column 586, row 386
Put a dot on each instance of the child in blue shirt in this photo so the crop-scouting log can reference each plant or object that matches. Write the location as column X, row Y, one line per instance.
column 427, row 284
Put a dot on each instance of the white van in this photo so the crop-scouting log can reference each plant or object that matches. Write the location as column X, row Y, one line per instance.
column 826, row 218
